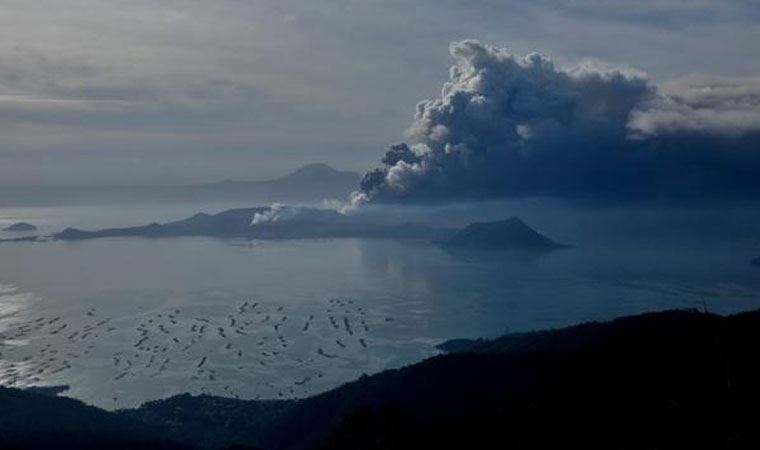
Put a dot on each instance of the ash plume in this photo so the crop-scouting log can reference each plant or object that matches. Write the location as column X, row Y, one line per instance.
column 520, row 126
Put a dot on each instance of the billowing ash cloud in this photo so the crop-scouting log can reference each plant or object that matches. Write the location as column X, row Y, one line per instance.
column 520, row 126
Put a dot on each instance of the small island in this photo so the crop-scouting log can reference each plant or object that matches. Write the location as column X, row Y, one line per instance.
column 511, row 234
column 20, row 226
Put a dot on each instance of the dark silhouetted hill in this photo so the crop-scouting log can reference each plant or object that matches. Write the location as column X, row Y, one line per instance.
column 38, row 420
column 510, row 234
column 669, row 380
column 20, row 226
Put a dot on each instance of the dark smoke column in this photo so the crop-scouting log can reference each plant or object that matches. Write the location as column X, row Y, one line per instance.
column 506, row 125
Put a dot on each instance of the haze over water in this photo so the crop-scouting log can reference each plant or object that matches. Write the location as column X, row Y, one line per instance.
column 127, row 320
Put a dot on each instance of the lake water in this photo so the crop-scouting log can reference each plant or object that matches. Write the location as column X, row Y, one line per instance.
column 127, row 320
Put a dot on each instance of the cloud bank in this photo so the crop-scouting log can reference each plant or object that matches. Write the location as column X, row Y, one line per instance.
column 506, row 126
column 104, row 92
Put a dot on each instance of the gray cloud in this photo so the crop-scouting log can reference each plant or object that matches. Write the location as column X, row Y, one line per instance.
column 111, row 77
column 506, row 125
column 702, row 104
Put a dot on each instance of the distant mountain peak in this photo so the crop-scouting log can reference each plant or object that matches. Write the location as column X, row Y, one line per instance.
column 514, row 221
column 309, row 172
column 309, row 183
column 316, row 170
column 319, row 166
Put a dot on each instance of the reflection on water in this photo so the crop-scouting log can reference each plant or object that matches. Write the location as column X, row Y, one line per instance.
column 127, row 320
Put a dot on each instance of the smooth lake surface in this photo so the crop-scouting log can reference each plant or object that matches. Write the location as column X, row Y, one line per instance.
column 127, row 320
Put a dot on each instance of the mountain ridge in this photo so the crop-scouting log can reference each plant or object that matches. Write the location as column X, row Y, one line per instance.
column 654, row 380
column 238, row 223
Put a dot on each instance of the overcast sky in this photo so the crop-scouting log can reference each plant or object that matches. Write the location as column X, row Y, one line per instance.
column 176, row 91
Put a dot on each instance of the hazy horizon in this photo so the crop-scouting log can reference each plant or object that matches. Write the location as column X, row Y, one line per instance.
column 146, row 93
column 248, row 178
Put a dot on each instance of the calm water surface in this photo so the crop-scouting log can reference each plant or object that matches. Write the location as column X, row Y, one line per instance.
column 127, row 320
